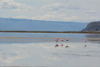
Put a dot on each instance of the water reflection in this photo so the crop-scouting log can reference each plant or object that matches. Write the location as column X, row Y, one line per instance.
column 29, row 53
column 94, row 38
column 47, row 52
column 56, row 45
column 67, row 46
column 85, row 46
column 62, row 45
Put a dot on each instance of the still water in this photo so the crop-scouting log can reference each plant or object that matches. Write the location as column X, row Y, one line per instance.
column 38, row 50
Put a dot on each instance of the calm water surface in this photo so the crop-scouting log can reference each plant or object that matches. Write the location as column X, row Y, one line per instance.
column 38, row 50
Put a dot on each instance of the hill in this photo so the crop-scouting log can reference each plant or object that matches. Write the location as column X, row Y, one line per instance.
column 10, row 24
column 93, row 26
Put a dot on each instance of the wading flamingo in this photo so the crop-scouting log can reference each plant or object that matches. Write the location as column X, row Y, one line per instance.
column 56, row 39
column 85, row 40
column 62, row 40
column 67, row 39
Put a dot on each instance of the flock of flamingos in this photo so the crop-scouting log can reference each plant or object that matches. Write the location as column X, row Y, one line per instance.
column 57, row 39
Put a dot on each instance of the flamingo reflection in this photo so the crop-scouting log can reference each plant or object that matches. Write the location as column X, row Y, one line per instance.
column 67, row 47
column 62, row 45
column 56, row 45
column 85, row 46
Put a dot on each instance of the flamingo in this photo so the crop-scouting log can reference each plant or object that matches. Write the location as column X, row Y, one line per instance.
column 85, row 40
column 67, row 39
column 85, row 45
column 56, row 39
column 62, row 40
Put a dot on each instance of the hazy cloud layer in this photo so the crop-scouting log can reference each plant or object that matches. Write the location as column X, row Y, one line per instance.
column 59, row 6
column 11, row 4
column 54, row 6
column 61, row 10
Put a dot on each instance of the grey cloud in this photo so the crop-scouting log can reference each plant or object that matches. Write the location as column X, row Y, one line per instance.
column 10, row 4
column 59, row 6
column 54, row 6
column 75, row 7
column 90, row 12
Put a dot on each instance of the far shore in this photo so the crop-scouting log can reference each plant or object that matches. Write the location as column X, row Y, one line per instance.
column 96, row 32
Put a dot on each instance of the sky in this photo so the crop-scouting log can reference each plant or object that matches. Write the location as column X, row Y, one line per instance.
column 51, row 10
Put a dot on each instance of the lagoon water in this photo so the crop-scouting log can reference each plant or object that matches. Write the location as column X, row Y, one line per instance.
column 38, row 50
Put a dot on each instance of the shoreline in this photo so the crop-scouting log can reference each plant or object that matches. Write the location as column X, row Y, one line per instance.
column 51, row 32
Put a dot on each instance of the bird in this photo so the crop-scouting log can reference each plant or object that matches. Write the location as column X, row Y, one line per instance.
column 67, row 39
column 62, row 40
column 85, row 40
column 56, row 39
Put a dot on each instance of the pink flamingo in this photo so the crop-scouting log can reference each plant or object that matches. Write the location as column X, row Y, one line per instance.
column 56, row 39
column 85, row 40
column 62, row 40
column 67, row 39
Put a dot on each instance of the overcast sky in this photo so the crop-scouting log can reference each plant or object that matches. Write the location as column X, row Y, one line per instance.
column 52, row 10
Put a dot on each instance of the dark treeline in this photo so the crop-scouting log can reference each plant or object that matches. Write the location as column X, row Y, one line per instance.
column 50, row 31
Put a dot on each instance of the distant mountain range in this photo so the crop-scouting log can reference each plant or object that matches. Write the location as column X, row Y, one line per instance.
column 10, row 24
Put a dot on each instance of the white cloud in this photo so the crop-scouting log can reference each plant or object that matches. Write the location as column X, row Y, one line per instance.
column 70, row 10
column 60, row 6
column 88, row 18
column 89, row 12
column 55, row 17
column 11, row 4
column 51, row 17
column 22, row 17
column 54, row 6
column 72, row 18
